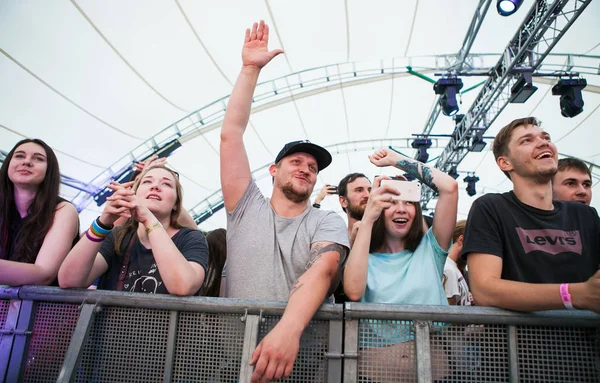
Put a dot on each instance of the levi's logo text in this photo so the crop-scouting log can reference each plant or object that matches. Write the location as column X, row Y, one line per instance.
column 550, row 241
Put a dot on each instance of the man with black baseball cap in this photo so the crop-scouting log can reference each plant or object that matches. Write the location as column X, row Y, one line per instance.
column 278, row 248
column 321, row 155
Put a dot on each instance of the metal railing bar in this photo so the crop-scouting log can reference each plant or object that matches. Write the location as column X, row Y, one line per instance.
column 168, row 302
column 470, row 314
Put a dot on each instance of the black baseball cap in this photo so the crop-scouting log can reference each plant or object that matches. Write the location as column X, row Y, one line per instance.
column 321, row 154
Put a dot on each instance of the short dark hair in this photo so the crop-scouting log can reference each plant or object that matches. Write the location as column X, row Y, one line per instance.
column 343, row 185
column 413, row 238
column 573, row 163
column 500, row 147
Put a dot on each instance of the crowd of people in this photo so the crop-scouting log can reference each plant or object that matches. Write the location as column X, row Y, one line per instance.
column 533, row 248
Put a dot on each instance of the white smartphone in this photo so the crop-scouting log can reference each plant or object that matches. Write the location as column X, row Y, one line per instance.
column 409, row 190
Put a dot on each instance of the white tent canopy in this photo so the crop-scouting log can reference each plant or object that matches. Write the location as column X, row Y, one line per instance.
column 96, row 79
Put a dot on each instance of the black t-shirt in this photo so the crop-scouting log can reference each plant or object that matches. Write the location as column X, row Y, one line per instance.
column 142, row 273
column 536, row 246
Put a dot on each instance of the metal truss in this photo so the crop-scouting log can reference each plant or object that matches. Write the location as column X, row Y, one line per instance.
column 214, row 202
column 460, row 59
column 541, row 30
column 291, row 87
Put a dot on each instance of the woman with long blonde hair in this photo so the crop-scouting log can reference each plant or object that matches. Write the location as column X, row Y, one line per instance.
column 151, row 252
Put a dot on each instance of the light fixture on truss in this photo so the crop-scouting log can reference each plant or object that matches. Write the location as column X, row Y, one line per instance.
column 448, row 88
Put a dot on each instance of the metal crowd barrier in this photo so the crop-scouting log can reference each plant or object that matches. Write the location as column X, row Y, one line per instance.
column 50, row 334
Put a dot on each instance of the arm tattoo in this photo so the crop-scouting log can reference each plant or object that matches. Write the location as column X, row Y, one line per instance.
column 317, row 251
column 419, row 171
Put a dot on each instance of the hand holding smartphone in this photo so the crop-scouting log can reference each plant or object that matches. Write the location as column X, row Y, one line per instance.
column 409, row 191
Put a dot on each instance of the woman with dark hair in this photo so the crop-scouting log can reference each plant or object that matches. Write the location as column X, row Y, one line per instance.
column 394, row 261
column 217, row 255
column 37, row 227
column 151, row 252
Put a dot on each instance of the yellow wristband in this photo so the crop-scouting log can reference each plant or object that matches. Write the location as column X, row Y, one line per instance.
column 155, row 225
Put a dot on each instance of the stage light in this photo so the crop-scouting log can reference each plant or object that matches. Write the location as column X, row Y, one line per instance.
column 471, row 181
column 422, row 144
column 508, row 7
column 571, row 100
column 477, row 145
column 448, row 87
column 458, row 118
column 453, row 172
column 523, row 89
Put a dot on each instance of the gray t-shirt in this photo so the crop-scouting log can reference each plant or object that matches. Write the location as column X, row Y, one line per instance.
column 266, row 253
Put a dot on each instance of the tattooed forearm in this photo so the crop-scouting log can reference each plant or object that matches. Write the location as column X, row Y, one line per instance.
column 318, row 250
column 419, row 171
column 295, row 288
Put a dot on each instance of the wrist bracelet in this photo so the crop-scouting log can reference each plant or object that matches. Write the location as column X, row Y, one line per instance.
column 155, row 225
column 103, row 225
column 566, row 297
column 316, row 205
column 87, row 234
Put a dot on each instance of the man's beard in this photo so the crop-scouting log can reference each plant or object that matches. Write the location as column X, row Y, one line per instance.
column 539, row 176
column 293, row 195
column 356, row 212
column 545, row 176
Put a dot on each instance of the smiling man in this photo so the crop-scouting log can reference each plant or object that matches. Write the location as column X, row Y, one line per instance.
column 354, row 191
column 572, row 182
column 525, row 251
column 278, row 248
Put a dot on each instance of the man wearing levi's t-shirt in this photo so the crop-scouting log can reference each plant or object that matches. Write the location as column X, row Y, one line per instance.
column 525, row 251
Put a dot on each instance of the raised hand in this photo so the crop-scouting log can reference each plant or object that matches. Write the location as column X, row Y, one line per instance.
column 114, row 208
column 379, row 199
column 324, row 192
column 152, row 161
column 384, row 157
column 124, row 203
column 255, row 52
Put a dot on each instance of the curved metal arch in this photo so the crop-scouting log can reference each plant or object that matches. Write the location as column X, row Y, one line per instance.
column 214, row 202
column 282, row 90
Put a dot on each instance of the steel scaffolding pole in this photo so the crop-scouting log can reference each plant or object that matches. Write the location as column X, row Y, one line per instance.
column 544, row 26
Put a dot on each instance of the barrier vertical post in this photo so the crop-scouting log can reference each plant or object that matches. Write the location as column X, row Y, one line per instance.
column 171, row 344
column 22, row 332
column 78, row 339
column 8, row 336
column 335, row 354
column 250, row 340
column 351, row 351
column 513, row 361
column 423, row 352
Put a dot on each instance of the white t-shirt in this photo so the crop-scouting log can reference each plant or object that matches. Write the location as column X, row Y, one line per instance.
column 455, row 284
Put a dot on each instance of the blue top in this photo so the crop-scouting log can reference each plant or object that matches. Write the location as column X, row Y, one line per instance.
column 408, row 277
column 404, row 278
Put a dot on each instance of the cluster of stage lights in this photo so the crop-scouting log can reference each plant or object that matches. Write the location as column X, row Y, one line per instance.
column 569, row 90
